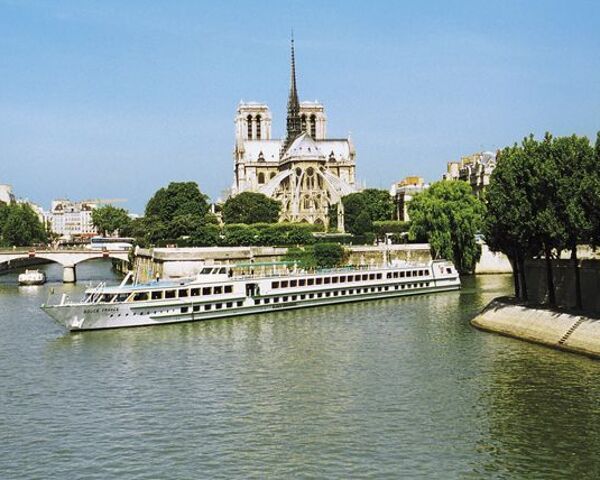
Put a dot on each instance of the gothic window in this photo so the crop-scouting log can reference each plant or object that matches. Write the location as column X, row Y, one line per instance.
column 272, row 175
column 313, row 126
column 261, row 178
column 249, row 121
column 303, row 120
column 258, row 127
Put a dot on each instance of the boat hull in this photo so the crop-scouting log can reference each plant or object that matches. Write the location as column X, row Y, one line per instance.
column 81, row 317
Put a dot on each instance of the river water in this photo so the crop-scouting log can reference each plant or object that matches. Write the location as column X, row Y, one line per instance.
column 401, row 388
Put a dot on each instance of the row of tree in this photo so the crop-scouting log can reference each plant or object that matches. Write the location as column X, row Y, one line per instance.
column 543, row 198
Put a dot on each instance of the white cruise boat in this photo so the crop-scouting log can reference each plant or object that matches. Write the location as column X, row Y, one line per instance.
column 32, row 277
column 217, row 292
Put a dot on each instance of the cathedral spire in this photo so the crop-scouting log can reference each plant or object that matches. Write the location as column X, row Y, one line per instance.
column 294, row 127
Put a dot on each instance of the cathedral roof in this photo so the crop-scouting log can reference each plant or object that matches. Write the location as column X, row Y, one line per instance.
column 304, row 147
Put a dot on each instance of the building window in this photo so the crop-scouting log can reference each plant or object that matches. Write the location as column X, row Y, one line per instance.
column 313, row 126
column 261, row 178
column 303, row 122
column 249, row 121
column 258, row 132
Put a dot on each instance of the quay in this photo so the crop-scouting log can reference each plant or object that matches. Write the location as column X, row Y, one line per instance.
column 561, row 330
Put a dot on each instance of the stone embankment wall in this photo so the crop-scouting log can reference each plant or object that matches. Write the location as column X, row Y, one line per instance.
column 183, row 262
column 564, row 331
column 492, row 262
column 564, row 281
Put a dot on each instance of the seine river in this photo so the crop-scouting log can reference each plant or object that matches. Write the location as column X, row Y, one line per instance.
column 400, row 388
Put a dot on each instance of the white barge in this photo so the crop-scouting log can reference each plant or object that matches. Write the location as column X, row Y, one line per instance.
column 32, row 277
column 218, row 292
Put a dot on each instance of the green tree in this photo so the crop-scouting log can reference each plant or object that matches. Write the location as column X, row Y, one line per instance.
column 21, row 226
column 508, row 225
column 206, row 236
column 378, row 205
column 108, row 219
column 450, row 217
column 329, row 255
column 178, row 198
column 572, row 161
column 251, row 207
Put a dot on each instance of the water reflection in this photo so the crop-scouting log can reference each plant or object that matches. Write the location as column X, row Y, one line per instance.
column 393, row 388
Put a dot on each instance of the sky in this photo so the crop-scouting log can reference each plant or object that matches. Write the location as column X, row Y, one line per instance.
column 115, row 99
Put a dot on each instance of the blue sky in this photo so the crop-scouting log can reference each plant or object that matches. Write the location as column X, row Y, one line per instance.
column 114, row 99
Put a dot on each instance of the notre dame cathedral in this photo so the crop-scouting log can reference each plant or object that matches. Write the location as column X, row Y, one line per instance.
column 307, row 172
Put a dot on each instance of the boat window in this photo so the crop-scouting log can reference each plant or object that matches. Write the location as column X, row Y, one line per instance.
column 122, row 297
column 206, row 291
column 350, row 278
column 229, row 304
column 302, row 282
column 408, row 274
column 395, row 274
column 206, row 271
column 342, row 279
column 335, row 279
column 207, row 306
column 195, row 292
column 267, row 300
column 228, row 288
column 401, row 274
column 223, row 270
column 140, row 296
column 448, row 270
column 196, row 308
column 379, row 276
column 319, row 294
column 335, row 294
column 319, row 281
column 184, row 309
column 372, row 276
column 183, row 293
column 275, row 299
column 106, row 297
column 284, row 284
column 274, row 284
column 157, row 295
column 389, row 275
column 311, row 295
column 169, row 293
column 302, row 297
column 426, row 272
column 365, row 277
column 240, row 303
column 326, row 280
column 293, row 283
column 310, row 281
column 284, row 299
column 218, row 290
column 328, row 294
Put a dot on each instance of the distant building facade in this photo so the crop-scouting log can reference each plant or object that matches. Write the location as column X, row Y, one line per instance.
column 403, row 192
column 6, row 195
column 306, row 171
column 474, row 169
column 71, row 219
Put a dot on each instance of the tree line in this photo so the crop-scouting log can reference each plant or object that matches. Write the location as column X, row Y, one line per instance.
column 544, row 198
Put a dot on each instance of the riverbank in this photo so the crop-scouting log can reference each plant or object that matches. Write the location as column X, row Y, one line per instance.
column 566, row 331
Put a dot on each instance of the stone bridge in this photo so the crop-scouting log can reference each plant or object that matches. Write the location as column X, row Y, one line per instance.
column 67, row 258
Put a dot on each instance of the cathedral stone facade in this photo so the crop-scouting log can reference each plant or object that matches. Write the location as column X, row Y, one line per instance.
column 306, row 171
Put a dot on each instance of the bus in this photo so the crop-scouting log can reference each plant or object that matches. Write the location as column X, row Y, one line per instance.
column 110, row 243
